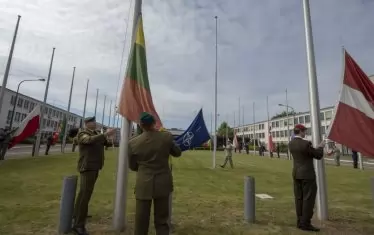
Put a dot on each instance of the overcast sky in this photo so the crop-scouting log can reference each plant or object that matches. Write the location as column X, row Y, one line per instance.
column 261, row 52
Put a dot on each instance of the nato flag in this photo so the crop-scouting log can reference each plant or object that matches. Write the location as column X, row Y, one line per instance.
column 195, row 135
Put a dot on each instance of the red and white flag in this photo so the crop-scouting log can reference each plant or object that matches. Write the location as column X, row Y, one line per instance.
column 27, row 128
column 353, row 124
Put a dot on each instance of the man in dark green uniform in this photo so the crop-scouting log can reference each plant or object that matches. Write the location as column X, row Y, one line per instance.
column 304, row 177
column 149, row 155
column 91, row 159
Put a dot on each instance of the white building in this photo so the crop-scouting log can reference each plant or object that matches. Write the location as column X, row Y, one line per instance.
column 25, row 104
column 279, row 126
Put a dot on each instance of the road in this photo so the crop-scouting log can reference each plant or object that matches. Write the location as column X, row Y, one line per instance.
column 26, row 150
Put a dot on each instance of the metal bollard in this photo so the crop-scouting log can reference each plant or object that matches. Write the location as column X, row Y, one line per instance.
column 249, row 199
column 360, row 161
column 69, row 188
column 372, row 187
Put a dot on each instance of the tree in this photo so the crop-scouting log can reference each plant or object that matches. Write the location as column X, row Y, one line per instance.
column 283, row 114
column 222, row 130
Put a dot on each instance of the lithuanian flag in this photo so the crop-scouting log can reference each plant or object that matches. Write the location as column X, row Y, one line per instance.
column 136, row 94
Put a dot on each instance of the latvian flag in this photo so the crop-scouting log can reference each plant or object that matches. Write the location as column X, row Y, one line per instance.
column 353, row 124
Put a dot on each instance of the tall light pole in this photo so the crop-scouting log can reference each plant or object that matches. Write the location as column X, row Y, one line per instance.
column 288, row 124
column 7, row 69
column 215, row 98
column 322, row 210
column 16, row 98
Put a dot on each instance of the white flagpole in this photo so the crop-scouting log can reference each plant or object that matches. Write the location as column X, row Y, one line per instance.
column 103, row 116
column 243, row 125
column 85, row 100
column 288, row 127
column 254, row 130
column 322, row 210
column 120, row 203
column 215, row 99
column 41, row 126
column 110, row 112
column 67, row 114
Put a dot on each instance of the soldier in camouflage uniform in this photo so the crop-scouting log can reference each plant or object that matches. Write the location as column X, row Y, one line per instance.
column 228, row 158
column 91, row 160
column 149, row 157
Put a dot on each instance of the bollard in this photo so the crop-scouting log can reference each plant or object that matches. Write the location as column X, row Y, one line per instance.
column 372, row 187
column 170, row 209
column 249, row 199
column 360, row 161
column 69, row 187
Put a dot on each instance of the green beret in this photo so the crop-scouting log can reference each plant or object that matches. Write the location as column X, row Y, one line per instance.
column 146, row 118
column 90, row 119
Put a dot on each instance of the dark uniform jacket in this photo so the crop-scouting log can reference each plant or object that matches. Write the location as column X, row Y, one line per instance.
column 303, row 154
column 91, row 150
column 149, row 155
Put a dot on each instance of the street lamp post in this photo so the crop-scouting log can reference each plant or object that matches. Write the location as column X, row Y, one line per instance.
column 288, row 126
column 15, row 100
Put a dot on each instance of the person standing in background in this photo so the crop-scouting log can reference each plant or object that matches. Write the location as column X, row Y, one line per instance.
column 355, row 158
column 228, row 158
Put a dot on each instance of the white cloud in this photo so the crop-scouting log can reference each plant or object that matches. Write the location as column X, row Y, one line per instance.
column 261, row 51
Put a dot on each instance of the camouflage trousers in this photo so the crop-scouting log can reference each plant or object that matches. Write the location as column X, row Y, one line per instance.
column 228, row 159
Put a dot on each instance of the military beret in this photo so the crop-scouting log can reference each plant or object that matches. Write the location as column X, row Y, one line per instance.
column 300, row 127
column 90, row 119
column 146, row 118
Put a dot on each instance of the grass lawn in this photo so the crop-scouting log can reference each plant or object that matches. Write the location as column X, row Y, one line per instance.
column 206, row 201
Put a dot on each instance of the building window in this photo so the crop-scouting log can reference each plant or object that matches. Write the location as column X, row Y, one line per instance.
column 9, row 117
column 323, row 130
column 277, row 124
column 26, row 104
column 328, row 115
column 13, row 100
column 48, row 122
column 273, row 124
column 45, row 110
column 296, row 121
column 32, row 105
column 20, row 102
column 308, row 131
column 17, row 117
column 54, row 113
column 277, row 134
column 322, row 116
column 281, row 133
column 281, row 123
column 23, row 116
column 307, row 119
column 290, row 121
column 301, row 120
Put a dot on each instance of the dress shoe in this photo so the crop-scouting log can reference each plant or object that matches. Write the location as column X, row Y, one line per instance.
column 310, row 228
column 80, row 231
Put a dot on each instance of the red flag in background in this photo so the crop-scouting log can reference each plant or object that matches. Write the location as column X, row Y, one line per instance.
column 353, row 124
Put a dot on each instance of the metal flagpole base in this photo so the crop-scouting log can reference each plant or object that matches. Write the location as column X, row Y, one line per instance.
column 249, row 199
column 69, row 188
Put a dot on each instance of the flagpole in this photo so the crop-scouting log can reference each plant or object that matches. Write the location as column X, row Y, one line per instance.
column 254, row 130
column 322, row 210
column 215, row 98
column 110, row 112
column 85, row 100
column 103, row 116
column 227, row 128
column 97, row 97
column 243, row 125
column 67, row 113
column 41, row 126
column 288, row 128
column 7, row 69
column 239, row 123
column 211, row 130
column 120, row 203
column 268, row 121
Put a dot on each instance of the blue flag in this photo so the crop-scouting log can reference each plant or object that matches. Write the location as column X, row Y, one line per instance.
column 195, row 135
